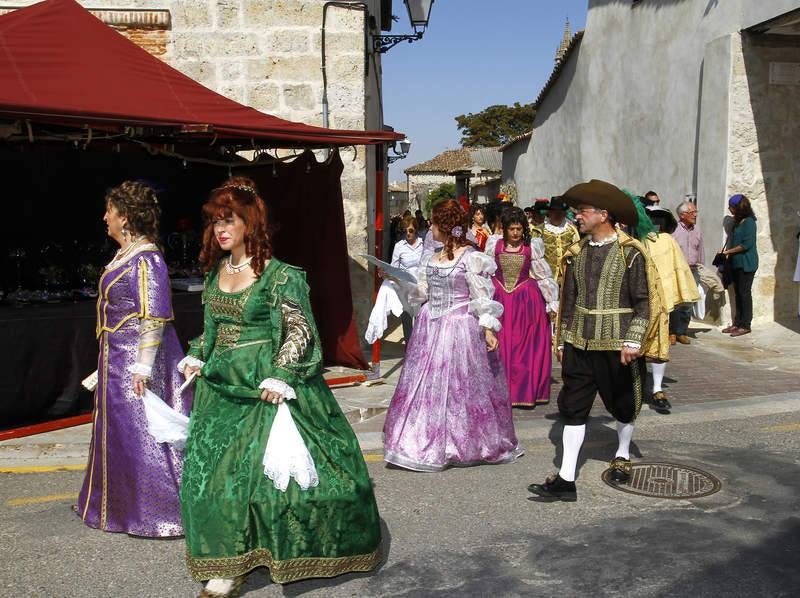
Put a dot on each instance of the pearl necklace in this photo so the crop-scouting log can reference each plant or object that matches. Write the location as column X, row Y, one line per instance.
column 231, row 269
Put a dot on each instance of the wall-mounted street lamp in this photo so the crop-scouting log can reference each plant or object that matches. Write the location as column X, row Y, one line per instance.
column 405, row 147
column 419, row 13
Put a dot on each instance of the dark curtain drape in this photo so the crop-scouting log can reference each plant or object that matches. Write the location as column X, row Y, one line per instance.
column 306, row 213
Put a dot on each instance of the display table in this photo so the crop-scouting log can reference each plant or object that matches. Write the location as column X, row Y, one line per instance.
column 48, row 349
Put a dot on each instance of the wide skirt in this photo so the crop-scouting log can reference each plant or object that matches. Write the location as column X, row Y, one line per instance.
column 236, row 519
column 132, row 482
column 525, row 343
column 451, row 403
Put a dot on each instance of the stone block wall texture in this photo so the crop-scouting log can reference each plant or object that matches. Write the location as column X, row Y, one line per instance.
column 267, row 54
column 764, row 153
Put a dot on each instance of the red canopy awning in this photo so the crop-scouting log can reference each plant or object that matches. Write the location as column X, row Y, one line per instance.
column 59, row 64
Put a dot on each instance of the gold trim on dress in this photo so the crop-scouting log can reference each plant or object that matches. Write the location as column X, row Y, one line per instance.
column 203, row 568
column 103, row 496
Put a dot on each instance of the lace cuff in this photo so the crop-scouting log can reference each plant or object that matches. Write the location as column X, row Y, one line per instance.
column 631, row 345
column 189, row 360
column 286, row 455
column 141, row 368
column 488, row 321
column 279, row 386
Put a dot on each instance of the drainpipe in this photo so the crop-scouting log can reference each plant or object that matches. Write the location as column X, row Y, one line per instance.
column 379, row 149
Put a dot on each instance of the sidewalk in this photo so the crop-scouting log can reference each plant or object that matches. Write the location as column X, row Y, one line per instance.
column 713, row 369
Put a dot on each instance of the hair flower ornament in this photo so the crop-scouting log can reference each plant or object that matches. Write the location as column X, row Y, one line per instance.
column 456, row 231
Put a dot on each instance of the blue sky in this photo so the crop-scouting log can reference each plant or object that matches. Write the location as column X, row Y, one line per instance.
column 475, row 53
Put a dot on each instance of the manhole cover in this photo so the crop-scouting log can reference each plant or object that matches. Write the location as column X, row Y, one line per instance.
column 667, row 480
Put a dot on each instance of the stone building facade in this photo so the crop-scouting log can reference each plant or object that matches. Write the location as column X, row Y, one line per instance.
column 690, row 98
column 474, row 171
column 268, row 54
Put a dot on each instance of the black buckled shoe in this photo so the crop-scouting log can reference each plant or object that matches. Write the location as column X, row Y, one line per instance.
column 660, row 402
column 620, row 470
column 555, row 488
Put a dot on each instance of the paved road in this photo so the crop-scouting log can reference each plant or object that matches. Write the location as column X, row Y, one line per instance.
column 473, row 532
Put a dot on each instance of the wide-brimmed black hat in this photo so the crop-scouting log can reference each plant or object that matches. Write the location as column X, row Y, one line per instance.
column 557, row 203
column 604, row 196
column 662, row 218
column 540, row 205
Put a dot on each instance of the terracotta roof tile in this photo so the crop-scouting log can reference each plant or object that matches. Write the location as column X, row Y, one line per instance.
column 444, row 162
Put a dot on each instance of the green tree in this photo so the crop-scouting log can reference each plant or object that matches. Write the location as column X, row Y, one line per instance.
column 437, row 194
column 495, row 125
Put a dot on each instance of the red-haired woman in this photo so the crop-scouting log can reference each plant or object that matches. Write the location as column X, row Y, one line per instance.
column 451, row 404
column 264, row 415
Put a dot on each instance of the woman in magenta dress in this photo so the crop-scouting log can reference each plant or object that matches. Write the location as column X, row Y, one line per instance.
column 524, row 286
column 132, row 482
column 451, row 403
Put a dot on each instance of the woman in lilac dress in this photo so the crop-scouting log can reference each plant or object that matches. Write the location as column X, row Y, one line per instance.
column 524, row 285
column 451, row 404
column 131, row 482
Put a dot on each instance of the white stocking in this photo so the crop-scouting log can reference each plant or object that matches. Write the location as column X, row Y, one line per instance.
column 571, row 441
column 624, row 433
column 658, row 375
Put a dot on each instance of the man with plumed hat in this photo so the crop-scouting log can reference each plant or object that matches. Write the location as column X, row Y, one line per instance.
column 603, row 323
column 538, row 211
column 557, row 234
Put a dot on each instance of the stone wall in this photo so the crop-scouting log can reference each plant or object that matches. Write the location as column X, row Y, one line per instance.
column 644, row 102
column 267, row 54
column 419, row 185
column 763, row 159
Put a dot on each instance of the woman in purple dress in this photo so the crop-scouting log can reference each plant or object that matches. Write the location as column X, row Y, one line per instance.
column 451, row 404
column 131, row 482
column 524, row 285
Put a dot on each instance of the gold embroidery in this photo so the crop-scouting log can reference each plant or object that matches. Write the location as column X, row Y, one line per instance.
column 511, row 265
column 203, row 568
column 297, row 335
column 637, row 388
column 278, row 280
column 228, row 334
column 94, row 433
column 104, row 496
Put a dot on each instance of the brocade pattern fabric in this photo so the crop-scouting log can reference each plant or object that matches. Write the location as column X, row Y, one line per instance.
column 235, row 517
column 131, row 482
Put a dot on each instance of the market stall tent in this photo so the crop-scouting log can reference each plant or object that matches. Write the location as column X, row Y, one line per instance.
column 60, row 64
column 62, row 69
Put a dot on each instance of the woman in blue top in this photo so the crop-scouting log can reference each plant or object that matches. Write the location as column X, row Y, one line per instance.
column 741, row 250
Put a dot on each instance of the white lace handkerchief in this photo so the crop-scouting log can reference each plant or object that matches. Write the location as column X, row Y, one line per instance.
column 286, row 455
column 163, row 422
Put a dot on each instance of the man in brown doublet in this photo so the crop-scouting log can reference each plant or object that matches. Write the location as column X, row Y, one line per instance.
column 604, row 318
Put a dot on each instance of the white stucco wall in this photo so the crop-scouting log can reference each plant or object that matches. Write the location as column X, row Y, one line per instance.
column 643, row 102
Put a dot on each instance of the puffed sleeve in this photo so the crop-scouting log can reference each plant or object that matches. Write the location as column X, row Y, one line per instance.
column 543, row 275
column 480, row 268
column 491, row 245
column 153, row 305
column 299, row 354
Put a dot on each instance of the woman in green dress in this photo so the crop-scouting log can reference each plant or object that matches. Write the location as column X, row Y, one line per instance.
column 273, row 474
